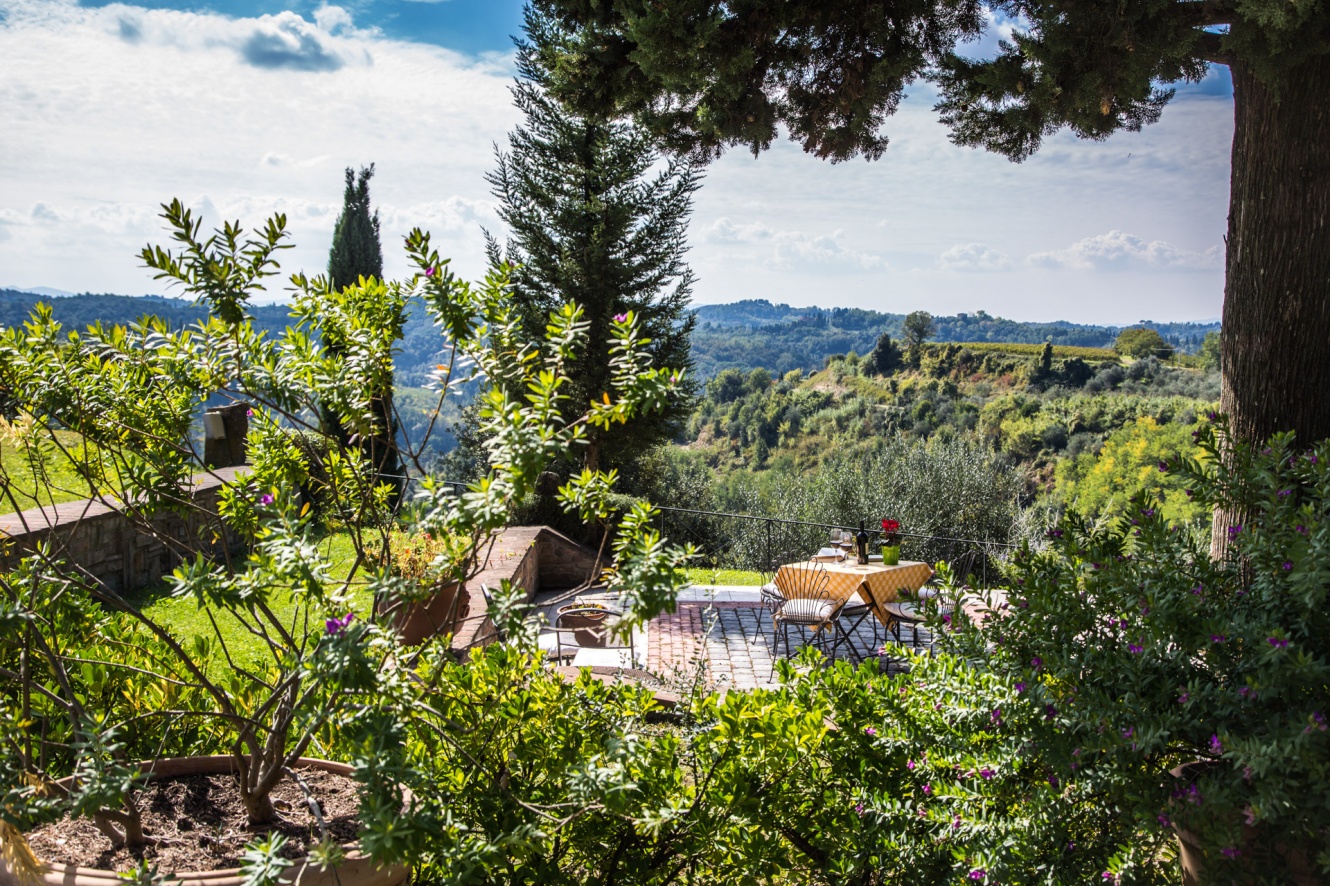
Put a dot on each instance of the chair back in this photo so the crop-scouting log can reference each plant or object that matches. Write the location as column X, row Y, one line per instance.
column 807, row 581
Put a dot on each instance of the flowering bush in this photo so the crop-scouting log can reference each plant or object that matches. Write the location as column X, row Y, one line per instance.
column 1147, row 654
column 323, row 672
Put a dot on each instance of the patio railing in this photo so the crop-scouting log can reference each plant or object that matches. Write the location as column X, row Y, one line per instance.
column 761, row 544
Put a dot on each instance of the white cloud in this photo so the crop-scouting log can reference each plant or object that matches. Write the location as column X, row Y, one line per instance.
column 822, row 253
column 111, row 111
column 973, row 257
column 726, row 230
column 1118, row 251
column 793, row 250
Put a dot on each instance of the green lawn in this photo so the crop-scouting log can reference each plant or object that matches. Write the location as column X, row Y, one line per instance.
column 45, row 477
column 698, row 576
column 184, row 618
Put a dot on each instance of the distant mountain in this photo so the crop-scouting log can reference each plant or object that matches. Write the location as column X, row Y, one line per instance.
column 742, row 335
column 38, row 290
column 778, row 337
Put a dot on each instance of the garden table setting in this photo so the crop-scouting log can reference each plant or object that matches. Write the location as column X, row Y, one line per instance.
column 878, row 583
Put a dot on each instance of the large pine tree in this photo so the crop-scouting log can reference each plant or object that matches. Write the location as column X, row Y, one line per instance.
column 590, row 225
column 356, row 252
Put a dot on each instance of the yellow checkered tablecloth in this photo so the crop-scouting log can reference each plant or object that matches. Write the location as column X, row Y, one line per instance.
column 879, row 583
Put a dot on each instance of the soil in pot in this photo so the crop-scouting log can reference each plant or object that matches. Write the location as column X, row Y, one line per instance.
column 200, row 824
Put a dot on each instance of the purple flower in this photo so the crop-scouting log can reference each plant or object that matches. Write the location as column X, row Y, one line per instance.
column 1020, row 687
column 249, row 413
column 1216, row 746
column 1110, row 876
column 1277, row 642
column 1190, row 492
column 946, row 620
column 335, row 626
column 1288, row 565
column 1149, row 512
column 955, row 822
column 1246, row 773
column 429, row 272
column 1071, row 846
column 1250, row 815
column 1312, row 459
column 1135, row 649
column 1128, row 732
column 1184, row 698
column 1053, row 782
column 1286, row 492
column 1050, row 712
column 1213, row 416
column 1055, row 533
column 1246, row 692
column 1317, row 724
column 1036, row 662
column 909, row 764
column 859, row 808
column 1217, row 638
column 986, row 774
column 265, row 499
column 1230, row 852
column 1164, row 820
column 978, row 874
column 869, row 730
column 1198, row 589
column 1300, row 529
column 996, row 716
column 620, row 318
column 1233, row 531
column 928, row 789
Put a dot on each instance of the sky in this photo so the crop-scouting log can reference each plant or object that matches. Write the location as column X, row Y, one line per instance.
column 242, row 109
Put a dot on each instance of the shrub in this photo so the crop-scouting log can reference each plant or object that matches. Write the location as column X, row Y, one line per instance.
column 1148, row 653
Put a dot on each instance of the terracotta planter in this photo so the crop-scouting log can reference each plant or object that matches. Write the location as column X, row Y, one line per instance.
column 441, row 613
column 356, row 870
column 1262, row 853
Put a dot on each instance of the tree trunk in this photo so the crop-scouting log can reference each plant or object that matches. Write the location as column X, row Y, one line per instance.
column 1276, row 341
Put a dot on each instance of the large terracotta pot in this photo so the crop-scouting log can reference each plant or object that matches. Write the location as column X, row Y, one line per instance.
column 441, row 613
column 1261, row 855
column 356, row 870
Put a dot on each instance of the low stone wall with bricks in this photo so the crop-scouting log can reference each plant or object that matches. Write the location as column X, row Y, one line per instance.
column 118, row 547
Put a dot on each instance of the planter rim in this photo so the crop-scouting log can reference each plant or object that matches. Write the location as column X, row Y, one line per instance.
column 176, row 767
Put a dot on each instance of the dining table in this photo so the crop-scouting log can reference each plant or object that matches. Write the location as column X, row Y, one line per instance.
column 878, row 583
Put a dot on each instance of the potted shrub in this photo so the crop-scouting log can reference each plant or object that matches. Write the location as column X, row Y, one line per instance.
column 1192, row 690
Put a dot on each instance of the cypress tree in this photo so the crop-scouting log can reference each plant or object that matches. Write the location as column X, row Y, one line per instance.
column 589, row 225
column 356, row 253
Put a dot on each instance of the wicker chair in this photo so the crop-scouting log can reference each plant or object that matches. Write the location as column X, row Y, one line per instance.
column 801, row 599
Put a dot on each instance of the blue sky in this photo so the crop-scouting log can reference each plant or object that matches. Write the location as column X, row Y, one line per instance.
column 471, row 26
column 246, row 108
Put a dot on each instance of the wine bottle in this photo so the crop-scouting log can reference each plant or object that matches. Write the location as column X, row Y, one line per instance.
column 862, row 540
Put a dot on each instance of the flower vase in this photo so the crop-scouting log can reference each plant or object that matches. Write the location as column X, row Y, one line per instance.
column 891, row 555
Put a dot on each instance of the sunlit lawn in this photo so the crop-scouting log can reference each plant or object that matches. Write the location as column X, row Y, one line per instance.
column 185, row 619
column 32, row 480
column 700, row 576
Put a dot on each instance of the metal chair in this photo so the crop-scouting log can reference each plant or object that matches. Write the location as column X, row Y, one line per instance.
column 801, row 599
column 591, row 627
column 853, row 612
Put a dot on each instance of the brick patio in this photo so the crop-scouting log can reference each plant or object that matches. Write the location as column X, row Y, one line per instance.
column 727, row 627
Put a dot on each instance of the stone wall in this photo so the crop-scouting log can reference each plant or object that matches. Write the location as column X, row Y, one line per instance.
column 123, row 552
